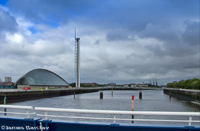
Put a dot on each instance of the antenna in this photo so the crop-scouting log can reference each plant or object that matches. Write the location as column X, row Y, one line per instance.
column 75, row 33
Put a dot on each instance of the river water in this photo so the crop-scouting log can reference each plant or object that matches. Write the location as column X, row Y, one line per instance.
column 152, row 100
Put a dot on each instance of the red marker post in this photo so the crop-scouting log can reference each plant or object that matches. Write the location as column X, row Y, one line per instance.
column 132, row 108
column 132, row 103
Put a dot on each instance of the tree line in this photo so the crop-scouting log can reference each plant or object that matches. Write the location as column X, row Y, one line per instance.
column 186, row 84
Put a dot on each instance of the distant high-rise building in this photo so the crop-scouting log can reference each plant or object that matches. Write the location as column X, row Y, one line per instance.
column 8, row 79
column 0, row 81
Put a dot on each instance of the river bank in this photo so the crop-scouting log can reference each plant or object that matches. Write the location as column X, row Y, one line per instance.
column 184, row 94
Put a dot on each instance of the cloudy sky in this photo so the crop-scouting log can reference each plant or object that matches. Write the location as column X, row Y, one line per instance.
column 122, row 41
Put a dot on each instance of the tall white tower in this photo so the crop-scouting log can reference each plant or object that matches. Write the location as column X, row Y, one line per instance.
column 77, row 60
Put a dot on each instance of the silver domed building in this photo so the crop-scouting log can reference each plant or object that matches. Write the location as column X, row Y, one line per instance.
column 41, row 78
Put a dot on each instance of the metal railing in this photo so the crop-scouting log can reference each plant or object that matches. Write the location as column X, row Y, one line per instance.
column 189, row 114
column 26, row 108
column 111, row 112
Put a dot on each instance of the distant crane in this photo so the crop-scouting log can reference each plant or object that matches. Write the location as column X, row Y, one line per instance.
column 154, row 81
column 77, row 60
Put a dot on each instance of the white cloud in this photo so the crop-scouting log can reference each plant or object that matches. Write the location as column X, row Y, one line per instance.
column 14, row 38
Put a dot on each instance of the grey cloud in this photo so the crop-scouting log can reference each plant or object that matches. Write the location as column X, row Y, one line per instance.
column 175, row 42
column 119, row 34
column 191, row 34
column 155, row 64
column 7, row 22
column 154, row 19
column 173, row 49
column 157, row 50
column 181, row 50
column 160, row 32
column 97, row 42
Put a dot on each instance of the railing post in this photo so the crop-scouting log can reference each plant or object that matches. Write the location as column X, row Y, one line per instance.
column 45, row 113
column 27, row 112
column 190, row 120
column 114, row 118
column 112, row 91
column 5, row 104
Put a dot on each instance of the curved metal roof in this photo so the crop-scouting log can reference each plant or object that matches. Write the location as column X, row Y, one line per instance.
column 41, row 77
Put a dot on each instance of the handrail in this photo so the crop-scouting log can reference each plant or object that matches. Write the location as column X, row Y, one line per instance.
column 118, row 112
column 93, row 118
column 2, row 112
column 27, row 108
column 16, row 107
column 190, row 114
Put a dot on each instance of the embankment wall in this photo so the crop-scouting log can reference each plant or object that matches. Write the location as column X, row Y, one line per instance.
column 184, row 94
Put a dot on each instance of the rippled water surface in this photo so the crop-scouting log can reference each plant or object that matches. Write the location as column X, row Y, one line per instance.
column 153, row 100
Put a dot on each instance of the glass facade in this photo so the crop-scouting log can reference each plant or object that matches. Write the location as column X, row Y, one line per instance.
column 41, row 77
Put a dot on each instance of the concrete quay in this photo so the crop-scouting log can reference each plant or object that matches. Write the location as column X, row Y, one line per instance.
column 24, row 95
column 184, row 94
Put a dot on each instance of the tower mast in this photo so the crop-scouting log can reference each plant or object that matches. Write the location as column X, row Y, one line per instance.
column 77, row 60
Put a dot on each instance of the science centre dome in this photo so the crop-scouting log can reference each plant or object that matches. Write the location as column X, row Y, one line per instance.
column 41, row 77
